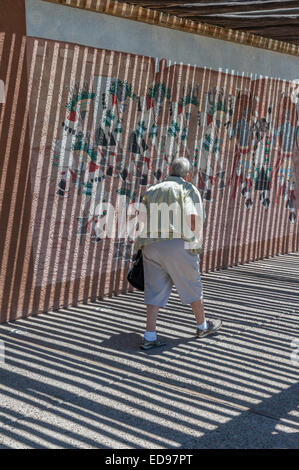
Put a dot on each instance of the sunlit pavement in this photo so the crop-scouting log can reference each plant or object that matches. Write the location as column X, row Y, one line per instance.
column 76, row 378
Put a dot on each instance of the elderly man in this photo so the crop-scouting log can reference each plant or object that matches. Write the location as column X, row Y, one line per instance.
column 170, row 243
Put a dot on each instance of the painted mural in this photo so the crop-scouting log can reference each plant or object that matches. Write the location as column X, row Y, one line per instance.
column 119, row 136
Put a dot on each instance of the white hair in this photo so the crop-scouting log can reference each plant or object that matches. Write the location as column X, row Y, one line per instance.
column 180, row 167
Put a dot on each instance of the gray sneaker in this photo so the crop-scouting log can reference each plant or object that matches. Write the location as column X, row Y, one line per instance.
column 145, row 345
column 213, row 327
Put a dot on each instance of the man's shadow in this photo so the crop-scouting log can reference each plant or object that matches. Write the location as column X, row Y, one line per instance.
column 129, row 343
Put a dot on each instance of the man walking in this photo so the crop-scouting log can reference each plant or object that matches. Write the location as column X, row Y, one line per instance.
column 170, row 245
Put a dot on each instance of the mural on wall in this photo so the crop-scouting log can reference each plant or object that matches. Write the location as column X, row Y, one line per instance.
column 115, row 141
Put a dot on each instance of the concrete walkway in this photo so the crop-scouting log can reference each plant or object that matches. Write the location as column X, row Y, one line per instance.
column 75, row 378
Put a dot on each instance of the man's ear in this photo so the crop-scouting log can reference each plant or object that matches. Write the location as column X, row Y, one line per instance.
column 188, row 177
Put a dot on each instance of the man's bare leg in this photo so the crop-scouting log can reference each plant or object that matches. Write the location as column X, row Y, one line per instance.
column 150, row 336
column 198, row 310
column 204, row 327
column 151, row 317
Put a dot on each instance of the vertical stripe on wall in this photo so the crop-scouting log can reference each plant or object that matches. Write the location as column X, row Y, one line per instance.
column 82, row 128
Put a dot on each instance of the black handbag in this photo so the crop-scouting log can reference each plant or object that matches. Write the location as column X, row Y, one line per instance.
column 135, row 275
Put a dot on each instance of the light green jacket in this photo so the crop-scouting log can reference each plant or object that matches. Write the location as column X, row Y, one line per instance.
column 167, row 206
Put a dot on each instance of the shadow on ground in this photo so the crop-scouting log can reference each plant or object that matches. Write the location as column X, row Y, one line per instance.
column 76, row 378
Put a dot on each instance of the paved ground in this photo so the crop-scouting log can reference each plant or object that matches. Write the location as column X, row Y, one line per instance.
column 76, row 378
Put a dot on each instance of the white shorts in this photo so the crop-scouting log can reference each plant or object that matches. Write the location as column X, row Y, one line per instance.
column 167, row 263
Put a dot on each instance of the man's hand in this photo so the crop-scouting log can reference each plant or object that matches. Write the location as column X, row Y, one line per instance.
column 194, row 222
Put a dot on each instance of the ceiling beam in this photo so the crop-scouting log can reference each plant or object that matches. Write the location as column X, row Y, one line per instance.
column 277, row 26
column 240, row 14
column 244, row 22
column 209, row 8
column 156, row 3
column 210, row 28
column 274, row 32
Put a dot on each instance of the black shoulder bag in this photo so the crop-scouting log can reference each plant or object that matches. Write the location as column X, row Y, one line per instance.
column 135, row 275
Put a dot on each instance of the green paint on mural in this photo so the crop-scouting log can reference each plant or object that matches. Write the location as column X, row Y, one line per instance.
column 118, row 128
column 159, row 92
column 81, row 145
column 174, row 129
column 141, row 128
column 184, row 134
column 108, row 118
column 78, row 95
column 121, row 90
column 188, row 100
column 153, row 131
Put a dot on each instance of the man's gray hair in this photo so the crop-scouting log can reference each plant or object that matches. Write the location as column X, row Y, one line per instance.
column 180, row 167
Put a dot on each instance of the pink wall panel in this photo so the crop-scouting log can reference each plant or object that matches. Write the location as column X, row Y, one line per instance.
column 102, row 126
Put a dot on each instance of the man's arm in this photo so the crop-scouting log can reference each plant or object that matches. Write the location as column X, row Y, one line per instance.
column 195, row 224
column 192, row 221
column 195, row 214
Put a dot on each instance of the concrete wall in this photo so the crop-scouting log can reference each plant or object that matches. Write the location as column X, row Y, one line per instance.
column 62, row 23
column 83, row 126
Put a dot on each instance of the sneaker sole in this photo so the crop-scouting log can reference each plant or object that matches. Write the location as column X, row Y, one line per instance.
column 154, row 346
column 209, row 333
